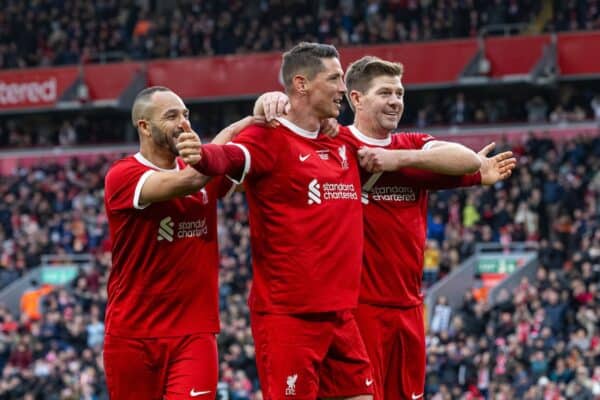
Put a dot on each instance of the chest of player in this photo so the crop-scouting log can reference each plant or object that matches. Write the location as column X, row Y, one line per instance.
column 184, row 219
column 391, row 191
column 318, row 172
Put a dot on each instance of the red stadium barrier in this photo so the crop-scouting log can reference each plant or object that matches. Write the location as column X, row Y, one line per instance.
column 35, row 88
column 424, row 63
column 217, row 77
column 576, row 53
column 108, row 81
column 514, row 55
column 239, row 76
column 515, row 135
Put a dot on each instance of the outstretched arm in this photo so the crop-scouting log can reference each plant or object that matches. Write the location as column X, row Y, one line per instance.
column 493, row 169
column 441, row 157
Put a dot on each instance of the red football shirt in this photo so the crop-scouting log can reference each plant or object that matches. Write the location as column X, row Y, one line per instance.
column 163, row 280
column 303, row 192
column 395, row 220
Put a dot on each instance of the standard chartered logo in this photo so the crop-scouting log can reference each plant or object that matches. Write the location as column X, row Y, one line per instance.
column 394, row 193
column 330, row 191
column 165, row 229
column 314, row 192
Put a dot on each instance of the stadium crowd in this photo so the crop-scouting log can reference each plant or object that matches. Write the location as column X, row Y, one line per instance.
column 542, row 341
column 47, row 32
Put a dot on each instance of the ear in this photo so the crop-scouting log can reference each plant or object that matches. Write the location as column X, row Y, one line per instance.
column 300, row 84
column 143, row 127
column 356, row 99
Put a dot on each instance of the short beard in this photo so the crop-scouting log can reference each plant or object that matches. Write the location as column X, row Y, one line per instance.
column 162, row 139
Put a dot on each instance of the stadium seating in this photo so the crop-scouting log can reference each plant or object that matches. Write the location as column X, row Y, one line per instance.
column 543, row 337
column 541, row 341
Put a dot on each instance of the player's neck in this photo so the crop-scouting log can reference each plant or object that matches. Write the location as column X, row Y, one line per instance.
column 369, row 129
column 302, row 115
column 162, row 158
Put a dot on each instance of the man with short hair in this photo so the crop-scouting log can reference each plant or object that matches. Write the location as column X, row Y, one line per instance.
column 162, row 309
column 390, row 314
column 303, row 195
column 390, row 310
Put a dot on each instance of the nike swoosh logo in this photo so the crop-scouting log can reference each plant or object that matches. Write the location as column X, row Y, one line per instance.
column 368, row 382
column 304, row 158
column 193, row 393
column 416, row 396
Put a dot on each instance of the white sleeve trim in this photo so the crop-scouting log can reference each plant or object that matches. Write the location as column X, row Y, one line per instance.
column 246, row 163
column 138, row 190
column 429, row 144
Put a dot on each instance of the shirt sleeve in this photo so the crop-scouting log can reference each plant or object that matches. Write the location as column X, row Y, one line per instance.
column 261, row 147
column 418, row 140
column 221, row 186
column 123, row 185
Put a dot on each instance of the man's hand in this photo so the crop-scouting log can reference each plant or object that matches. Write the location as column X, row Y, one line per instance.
column 189, row 144
column 375, row 159
column 272, row 105
column 496, row 168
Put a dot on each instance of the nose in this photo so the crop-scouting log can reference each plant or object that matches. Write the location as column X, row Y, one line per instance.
column 342, row 86
column 395, row 101
column 184, row 123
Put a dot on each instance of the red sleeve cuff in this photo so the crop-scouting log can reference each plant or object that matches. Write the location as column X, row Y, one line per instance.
column 471, row 180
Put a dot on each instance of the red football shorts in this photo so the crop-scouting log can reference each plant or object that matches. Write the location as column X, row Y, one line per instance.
column 395, row 342
column 171, row 368
column 305, row 356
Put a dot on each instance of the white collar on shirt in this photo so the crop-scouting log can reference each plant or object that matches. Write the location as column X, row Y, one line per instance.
column 297, row 130
column 369, row 140
column 143, row 160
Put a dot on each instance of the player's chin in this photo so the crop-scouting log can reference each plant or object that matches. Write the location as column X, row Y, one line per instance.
column 334, row 112
column 390, row 123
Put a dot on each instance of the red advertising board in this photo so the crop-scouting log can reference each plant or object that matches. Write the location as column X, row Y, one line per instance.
column 34, row 88
column 576, row 53
column 237, row 76
column 108, row 81
column 514, row 55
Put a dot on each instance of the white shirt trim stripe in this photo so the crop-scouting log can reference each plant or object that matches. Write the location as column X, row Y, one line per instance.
column 144, row 161
column 297, row 130
column 369, row 140
column 247, row 163
column 138, row 190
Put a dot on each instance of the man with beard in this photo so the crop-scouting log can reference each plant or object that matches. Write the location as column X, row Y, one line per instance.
column 162, row 311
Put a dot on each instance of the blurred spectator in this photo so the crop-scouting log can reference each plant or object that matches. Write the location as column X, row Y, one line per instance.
column 440, row 320
column 459, row 112
column 541, row 340
column 537, row 110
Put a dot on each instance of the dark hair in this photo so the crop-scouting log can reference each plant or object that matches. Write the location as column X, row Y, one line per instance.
column 361, row 73
column 305, row 58
column 140, row 104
